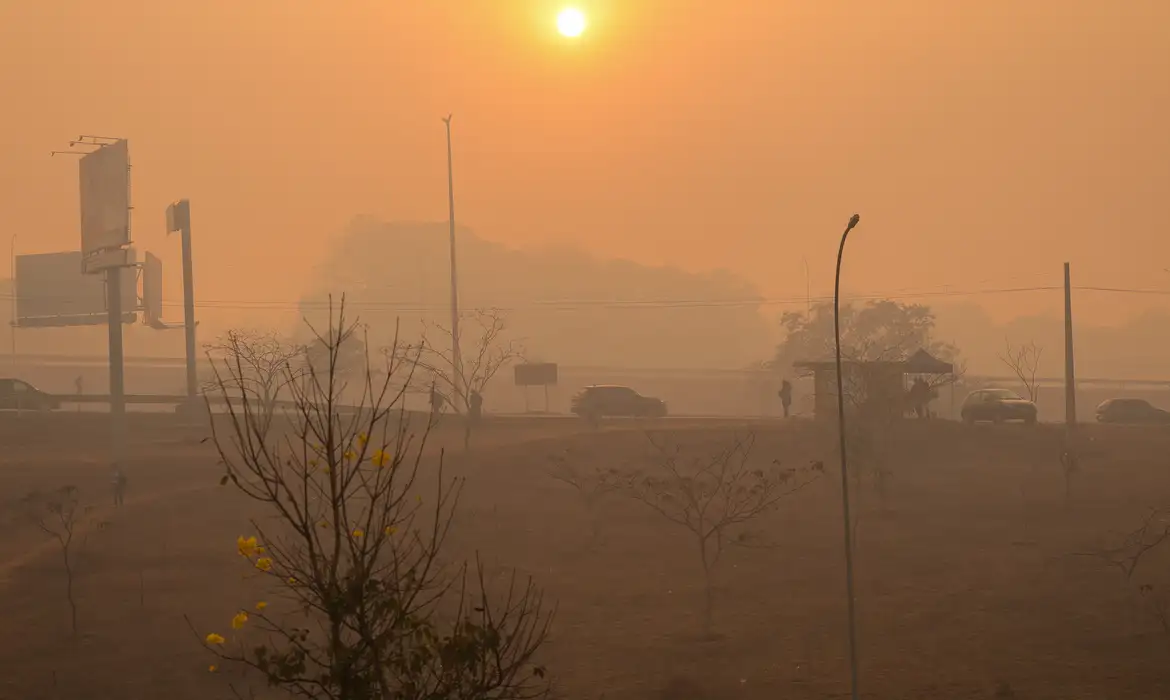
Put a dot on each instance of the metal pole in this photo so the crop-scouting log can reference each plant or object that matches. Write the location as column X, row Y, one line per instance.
column 12, row 324
column 807, row 289
column 456, row 357
column 117, row 384
column 1070, row 382
column 844, row 464
column 189, row 306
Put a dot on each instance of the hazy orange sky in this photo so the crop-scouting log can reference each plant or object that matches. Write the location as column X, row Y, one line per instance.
column 983, row 143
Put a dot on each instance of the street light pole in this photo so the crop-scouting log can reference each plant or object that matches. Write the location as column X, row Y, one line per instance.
column 853, row 220
column 456, row 357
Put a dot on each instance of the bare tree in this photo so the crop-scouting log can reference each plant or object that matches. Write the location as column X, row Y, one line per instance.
column 1024, row 362
column 466, row 376
column 715, row 497
column 363, row 607
column 262, row 365
column 60, row 515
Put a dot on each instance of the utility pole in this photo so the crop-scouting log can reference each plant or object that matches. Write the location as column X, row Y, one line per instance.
column 12, row 321
column 456, row 357
column 1070, row 381
column 807, row 289
column 179, row 219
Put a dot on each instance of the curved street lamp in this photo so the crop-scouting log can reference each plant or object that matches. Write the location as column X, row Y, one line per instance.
column 853, row 221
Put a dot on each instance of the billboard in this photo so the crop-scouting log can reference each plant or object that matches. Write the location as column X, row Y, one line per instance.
column 105, row 198
column 51, row 290
column 152, row 289
column 536, row 374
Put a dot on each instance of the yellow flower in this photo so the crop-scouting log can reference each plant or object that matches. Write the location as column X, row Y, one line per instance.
column 363, row 439
column 327, row 470
column 214, row 638
column 211, row 668
column 380, row 458
column 349, row 455
column 292, row 581
column 357, row 532
column 313, row 463
column 239, row 620
column 264, row 564
column 261, row 605
column 324, row 524
column 390, row 530
column 246, row 547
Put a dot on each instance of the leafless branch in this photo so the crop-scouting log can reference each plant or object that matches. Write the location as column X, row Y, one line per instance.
column 1024, row 362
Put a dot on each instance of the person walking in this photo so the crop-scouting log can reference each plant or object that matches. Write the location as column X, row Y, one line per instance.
column 785, row 394
column 436, row 401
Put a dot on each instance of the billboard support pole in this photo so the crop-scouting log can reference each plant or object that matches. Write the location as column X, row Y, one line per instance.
column 189, row 309
column 179, row 219
column 117, row 376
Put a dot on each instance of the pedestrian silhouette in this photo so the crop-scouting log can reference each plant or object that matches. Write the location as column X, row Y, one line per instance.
column 119, row 484
column 785, row 394
column 476, row 406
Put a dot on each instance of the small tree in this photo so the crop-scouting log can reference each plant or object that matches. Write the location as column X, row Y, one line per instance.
column 1141, row 544
column 1024, row 362
column 370, row 612
column 262, row 366
column 480, row 360
column 593, row 485
column 714, row 498
column 60, row 515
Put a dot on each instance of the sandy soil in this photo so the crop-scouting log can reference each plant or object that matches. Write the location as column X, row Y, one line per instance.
column 968, row 577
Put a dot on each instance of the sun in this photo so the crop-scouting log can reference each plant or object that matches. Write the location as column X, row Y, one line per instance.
column 571, row 22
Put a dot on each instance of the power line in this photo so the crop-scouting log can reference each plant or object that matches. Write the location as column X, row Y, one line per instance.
column 614, row 304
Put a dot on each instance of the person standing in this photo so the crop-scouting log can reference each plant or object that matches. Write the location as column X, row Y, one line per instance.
column 436, row 401
column 476, row 406
column 785, row 394
column 920, row 397
column 119, row 483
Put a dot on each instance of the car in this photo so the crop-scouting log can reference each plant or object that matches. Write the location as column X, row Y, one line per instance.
column 997, row 406
column 604, row 400
column 1130, row 411
column 17, row 394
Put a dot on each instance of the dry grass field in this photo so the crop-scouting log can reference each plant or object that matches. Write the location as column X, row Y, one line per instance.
column 969, row 576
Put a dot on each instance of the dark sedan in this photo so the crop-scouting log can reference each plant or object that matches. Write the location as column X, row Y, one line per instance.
column 604, row 400
column 1131, row 412
column 20, row 395
column 997, row 406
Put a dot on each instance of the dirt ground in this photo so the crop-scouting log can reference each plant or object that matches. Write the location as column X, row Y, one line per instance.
column 970, row 578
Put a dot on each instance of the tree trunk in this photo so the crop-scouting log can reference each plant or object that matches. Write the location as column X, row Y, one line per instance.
column 69, row 590
column 708, row 591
